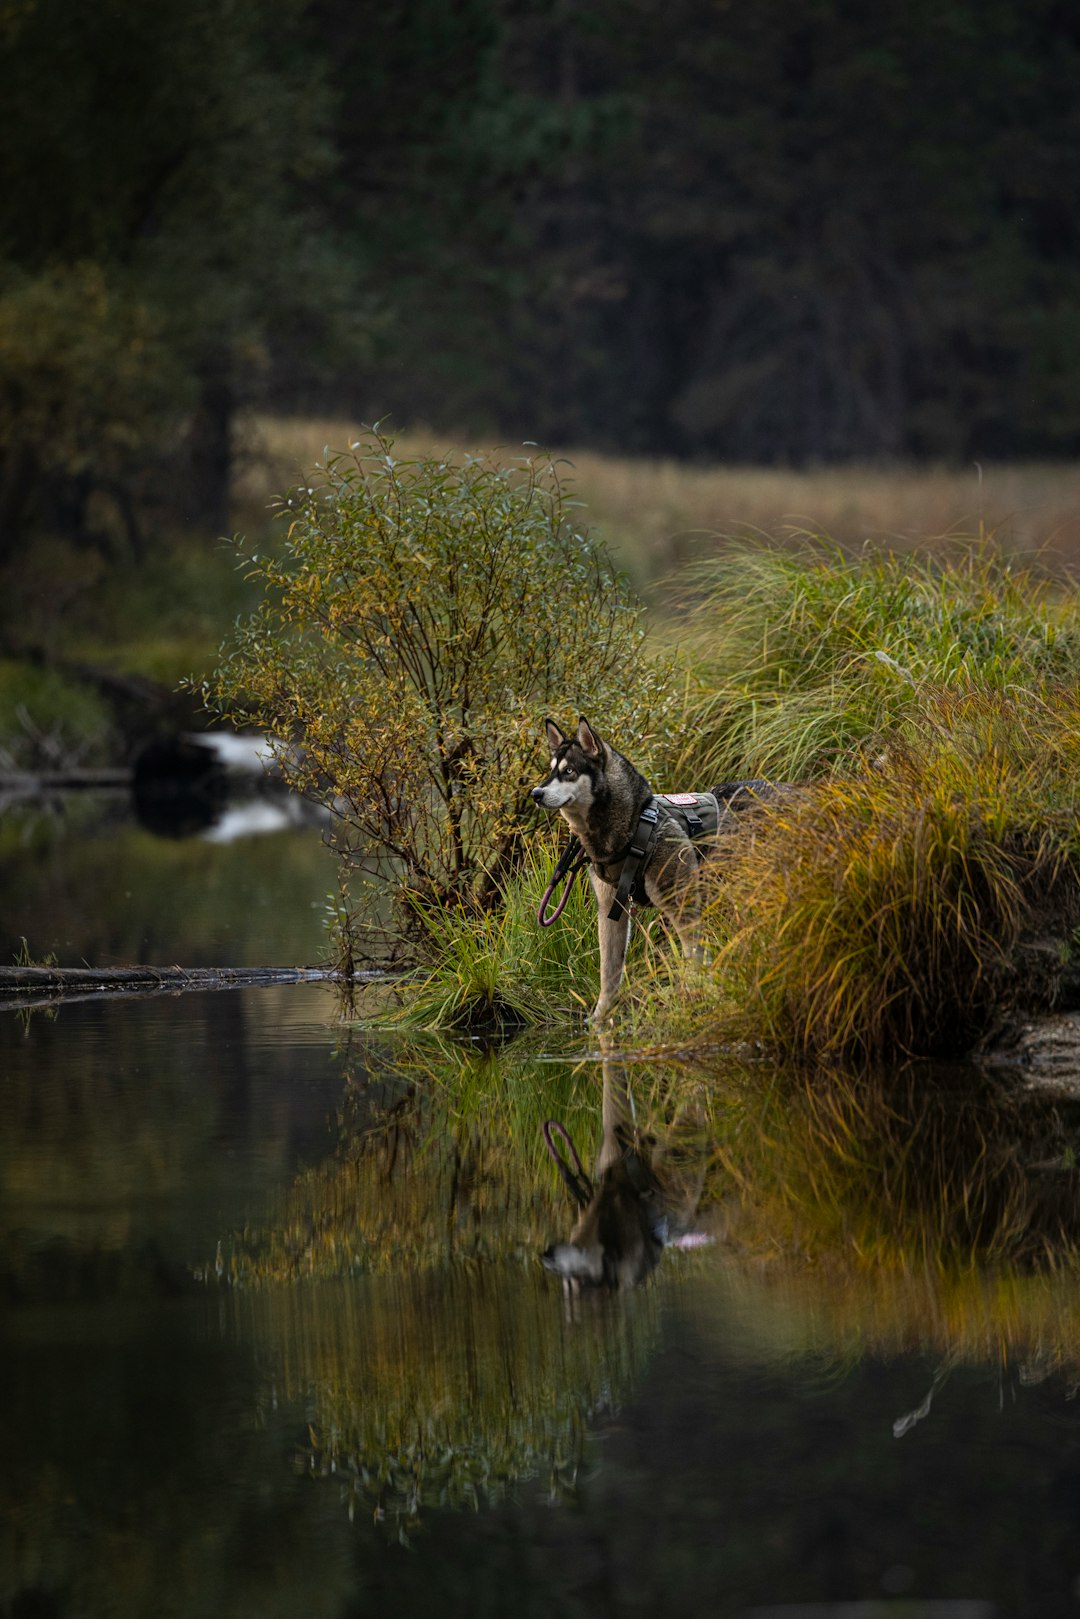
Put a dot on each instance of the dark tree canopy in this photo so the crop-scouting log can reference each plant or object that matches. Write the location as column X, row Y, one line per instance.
column 757, row 233
column 801, row 233
column 158, row 240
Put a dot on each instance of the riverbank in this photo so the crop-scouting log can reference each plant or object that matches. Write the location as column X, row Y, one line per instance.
column 924, row 700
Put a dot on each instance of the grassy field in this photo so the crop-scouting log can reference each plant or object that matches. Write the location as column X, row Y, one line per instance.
column 658, row 515
column 164, row 617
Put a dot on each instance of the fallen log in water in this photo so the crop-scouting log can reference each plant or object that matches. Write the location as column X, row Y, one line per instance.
column 38, row 783
column 20, row 985
column 158, row 977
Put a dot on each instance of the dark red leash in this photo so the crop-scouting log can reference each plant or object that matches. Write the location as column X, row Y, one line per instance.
column 569, row 865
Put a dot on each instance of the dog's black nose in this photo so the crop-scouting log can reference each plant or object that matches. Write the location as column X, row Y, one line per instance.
column 537, row 793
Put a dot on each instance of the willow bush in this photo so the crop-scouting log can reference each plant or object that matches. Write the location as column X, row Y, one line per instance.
column 422, row 617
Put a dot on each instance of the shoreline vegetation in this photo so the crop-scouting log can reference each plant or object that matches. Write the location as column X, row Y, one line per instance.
column 920, row 685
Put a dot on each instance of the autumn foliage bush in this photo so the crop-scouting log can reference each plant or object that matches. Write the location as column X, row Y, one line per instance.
column 420, row 620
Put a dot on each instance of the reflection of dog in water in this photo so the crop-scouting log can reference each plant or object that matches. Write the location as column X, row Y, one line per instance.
column 636, row 1206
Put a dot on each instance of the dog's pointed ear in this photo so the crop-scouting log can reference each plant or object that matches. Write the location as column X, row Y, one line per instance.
column 554, row 735
column 588, row 741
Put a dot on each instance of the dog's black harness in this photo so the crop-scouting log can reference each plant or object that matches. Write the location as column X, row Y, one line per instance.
column 699, row 817
column 632, row 879
column 699, row 814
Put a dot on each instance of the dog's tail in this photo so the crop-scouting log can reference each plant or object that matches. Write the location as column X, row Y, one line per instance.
column 737, row 793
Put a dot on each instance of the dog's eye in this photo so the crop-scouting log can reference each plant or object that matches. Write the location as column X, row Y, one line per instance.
column 569, row 773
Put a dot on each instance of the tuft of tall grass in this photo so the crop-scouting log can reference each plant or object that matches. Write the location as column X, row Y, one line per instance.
column 502, row 970
column 903, row 908
column 501, row 967
column 804, row 658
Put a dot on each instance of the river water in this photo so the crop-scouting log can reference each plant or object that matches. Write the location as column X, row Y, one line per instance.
column 276, row 1338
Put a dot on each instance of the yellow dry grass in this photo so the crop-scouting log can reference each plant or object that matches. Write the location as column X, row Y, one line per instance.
column 657, row 515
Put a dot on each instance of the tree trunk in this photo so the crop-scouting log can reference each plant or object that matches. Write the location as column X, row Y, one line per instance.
column 16, row 481
column 210, row 441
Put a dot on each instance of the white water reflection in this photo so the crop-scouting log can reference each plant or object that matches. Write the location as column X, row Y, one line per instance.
column 257, row 816
column 242, row 751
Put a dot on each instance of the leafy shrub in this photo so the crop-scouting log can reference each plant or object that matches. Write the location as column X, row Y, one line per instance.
column 423, row 618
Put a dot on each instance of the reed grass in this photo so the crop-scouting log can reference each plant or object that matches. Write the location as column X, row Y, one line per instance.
column 502, row 968
column 910, row 907
column 802, row 659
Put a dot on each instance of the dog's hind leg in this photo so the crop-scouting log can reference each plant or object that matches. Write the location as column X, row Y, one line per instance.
column 613, row 941
column 674, row 888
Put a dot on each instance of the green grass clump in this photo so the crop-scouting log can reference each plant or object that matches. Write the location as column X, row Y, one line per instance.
column 904, row 908
column 805, row 657
column 500, row 967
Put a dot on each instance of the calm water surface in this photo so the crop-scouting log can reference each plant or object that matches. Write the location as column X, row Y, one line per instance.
column 275, row 1337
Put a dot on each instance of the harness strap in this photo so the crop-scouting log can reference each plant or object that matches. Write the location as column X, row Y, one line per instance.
column 640, row 845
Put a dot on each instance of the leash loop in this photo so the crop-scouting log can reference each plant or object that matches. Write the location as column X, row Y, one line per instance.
column 570, row 863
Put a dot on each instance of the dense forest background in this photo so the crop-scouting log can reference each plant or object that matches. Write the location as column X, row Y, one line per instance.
column 767, row 233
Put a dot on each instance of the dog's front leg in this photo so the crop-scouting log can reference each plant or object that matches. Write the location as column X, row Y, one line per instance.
column 613, row 941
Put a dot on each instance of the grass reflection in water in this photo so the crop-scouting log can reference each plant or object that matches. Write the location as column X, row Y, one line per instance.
column 924, row 1210
column 448, row 1389
column 431, row 1375
column 929, row 1211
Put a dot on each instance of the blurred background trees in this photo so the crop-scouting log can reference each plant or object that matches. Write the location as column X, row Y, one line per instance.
column 767, row 233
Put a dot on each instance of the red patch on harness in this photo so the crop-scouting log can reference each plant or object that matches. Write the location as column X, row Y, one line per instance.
column 679, row 798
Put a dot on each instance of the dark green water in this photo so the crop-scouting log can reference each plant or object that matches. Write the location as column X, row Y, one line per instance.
column 275, row 1339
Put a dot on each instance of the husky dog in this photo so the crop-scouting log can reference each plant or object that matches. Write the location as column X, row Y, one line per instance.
column 604, row 799
column 641, row 1201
